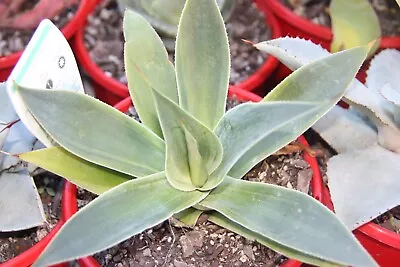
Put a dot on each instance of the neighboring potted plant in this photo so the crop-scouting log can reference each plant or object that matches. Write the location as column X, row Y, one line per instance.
column 187, row 150
column 18, row 23
column 297, row 26
column 111, row 88
column 364, row 145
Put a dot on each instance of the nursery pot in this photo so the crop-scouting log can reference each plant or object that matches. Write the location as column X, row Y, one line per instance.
column 28, row 257
column 7, row 63
column 243, row 95
column 111, row 91
column 294, row 25
column 383, row 245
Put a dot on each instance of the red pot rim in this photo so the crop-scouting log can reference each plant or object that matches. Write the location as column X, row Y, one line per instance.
column 313, row 29
column 120, row 89
column 370, row 229
column 316, row 182
column 68, row 30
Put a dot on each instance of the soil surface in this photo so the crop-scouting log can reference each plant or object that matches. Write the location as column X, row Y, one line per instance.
column 14, row 243
column 104, row 39
column 12, row 40
column 389, row 220
column 173, row 244
column 318, row 12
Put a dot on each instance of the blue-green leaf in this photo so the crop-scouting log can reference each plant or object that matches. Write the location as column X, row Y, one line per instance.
column 202, row 61
column 147, row 66
column 96, row 132
column 294, row 220
column 116, row 215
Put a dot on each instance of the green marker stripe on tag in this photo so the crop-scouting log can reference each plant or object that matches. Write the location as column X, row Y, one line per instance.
column 33, row 54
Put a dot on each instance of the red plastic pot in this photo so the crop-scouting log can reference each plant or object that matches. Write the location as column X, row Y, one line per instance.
column 7, row 63
column 295, row 25
column 111, row 91
column 382, row 244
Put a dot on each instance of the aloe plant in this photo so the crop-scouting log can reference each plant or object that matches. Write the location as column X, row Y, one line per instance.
column 164, row 14
column 20, row 204
column 188, row 155
column 362, row 178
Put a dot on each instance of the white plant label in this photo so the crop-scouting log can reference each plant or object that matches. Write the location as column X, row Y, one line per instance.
column 47, row 63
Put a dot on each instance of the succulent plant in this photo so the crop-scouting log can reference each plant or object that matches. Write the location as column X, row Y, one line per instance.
column 164, row 14
column 189, row 156
column 20, row 204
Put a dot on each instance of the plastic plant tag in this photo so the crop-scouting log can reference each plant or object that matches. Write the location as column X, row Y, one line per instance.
column 47, row 63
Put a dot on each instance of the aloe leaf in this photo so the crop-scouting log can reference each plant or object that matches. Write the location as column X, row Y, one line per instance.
column 21, row 207
column 293, row 52
column 117, row 210
column 202, row 61
column 189, row 216
column 224, row 222
column 250, row 132
column 354, row 23
column 92, row 177
column 345, row 130
column 192, row 149
column 48, row 47
column 96, row 132
column 289, row 218
column 322, row 79
column 147, row 66
column 357, row 175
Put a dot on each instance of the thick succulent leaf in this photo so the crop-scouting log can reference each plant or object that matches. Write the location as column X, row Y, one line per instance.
column 250, row 132
column 364, row 184
column 391, row 94
column 384, row 71
column 202, row 61
column 321, row 80
column 224, row 222
column 293, row 52
column 345, row 130
column 189, row 216
column 289, row 218
column 20, row 204
column 125, row 210
column 147, row 66
column 96, row 132
column 48, row 47
column 92, row 177
column 192, row 149
column 354, row 23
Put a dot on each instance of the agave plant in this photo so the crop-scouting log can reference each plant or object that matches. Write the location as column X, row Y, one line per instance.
column 20, row 204
column 188, row 155
column 164, row 14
